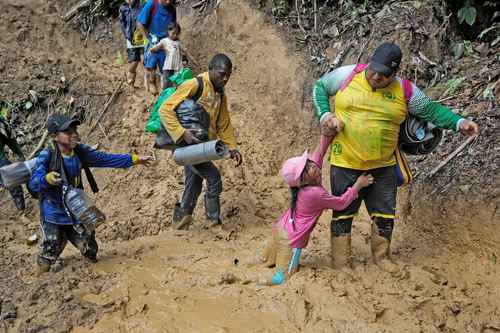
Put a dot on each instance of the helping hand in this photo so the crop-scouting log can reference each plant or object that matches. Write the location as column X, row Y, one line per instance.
column 468, row 127
column 143, row 160
column 236, row 155
column 364, row 180
column 330, row 125
column 189, row 137
column 53, row 178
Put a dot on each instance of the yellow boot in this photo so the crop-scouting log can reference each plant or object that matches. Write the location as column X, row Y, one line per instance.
column 341, row 251
column 381, row 251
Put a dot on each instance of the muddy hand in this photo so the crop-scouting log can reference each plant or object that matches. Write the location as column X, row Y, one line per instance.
column 468, row 127
column 364, row 180
column 143, row 160
column 330, row 126
column 236, row 155
column 53, row 178
column 189, row 137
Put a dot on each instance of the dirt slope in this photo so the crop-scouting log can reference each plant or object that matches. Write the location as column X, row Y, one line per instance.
column 201, row 280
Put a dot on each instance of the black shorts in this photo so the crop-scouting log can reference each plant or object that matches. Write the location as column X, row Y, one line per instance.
column 134, row 55
column 380, row 197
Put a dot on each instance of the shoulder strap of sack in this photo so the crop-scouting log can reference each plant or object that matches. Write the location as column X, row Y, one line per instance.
column 407, row 90
column 407, row 86
column 151, row 13
column 88, row 173
column 56, row 164
column 357, row 69
column 199, row 90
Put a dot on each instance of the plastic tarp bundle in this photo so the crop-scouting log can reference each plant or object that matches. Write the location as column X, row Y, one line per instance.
column 201, row 153
column 18, row 173
column 154, row 124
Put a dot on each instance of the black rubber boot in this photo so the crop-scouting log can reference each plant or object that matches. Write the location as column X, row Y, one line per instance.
column 212, row 209
column 19, row 202
column 43, row 265
column 180, row 218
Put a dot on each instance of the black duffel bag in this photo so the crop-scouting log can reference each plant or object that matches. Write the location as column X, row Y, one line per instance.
column 191, row 115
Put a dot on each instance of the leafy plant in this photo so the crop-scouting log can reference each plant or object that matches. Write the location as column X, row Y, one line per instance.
column 467, row 13
column 488, row 93
column 463, row 48
column 453, row 85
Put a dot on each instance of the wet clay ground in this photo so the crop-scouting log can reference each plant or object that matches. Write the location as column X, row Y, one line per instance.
column 150, row 278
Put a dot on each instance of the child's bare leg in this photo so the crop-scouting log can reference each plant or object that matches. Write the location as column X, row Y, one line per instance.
column 151, row 81
column 132, row 72
column 268, row 256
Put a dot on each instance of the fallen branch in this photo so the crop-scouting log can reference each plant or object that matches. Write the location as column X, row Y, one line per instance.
column 315, row 8
column 198, row 4
column 451, row 156
column 73, row 11
column 298, row 17
column 39, row 146
column 106, row 106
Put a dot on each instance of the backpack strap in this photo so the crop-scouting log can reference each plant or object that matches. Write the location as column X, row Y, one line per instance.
column 57, row 164
column 406, row 84
column 88, row 173
column 407, row 90
column 357, row 69
column 151, row 14
column 199, row 90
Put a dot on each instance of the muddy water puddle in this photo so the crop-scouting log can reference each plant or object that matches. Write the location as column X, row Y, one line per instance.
column 168, row 284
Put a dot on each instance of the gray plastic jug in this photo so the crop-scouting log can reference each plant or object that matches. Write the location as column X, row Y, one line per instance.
column 83, row 208
column 18, row 173
column 201, row 152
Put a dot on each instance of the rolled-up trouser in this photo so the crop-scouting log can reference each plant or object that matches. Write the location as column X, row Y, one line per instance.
column 379, row 198
column 279, row 253
column 16, row 193
column 193, row 183
column 56, row 236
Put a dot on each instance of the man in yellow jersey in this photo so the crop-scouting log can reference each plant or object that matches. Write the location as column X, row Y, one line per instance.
column 372, row 103
column 214, row 101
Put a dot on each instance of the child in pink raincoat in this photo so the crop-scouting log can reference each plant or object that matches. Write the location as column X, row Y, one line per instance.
column 309, row 198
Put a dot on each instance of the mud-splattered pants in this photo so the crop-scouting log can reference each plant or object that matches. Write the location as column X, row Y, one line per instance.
column 56, row 236
column 193, row 184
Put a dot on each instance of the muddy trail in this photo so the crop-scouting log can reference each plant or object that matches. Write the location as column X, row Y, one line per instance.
column 150, row 278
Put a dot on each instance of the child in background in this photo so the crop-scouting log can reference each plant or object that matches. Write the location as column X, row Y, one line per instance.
column 129, row 11
column 309, row 198
column 173, row 59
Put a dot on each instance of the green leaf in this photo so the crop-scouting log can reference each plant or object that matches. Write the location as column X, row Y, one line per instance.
column 468, row 47
column 488, row 93
column 468, row 14
column 453, row 85
column 471, row 15
column 458, row 50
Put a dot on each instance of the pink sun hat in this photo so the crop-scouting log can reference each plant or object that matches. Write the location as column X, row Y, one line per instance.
column 292, row 169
